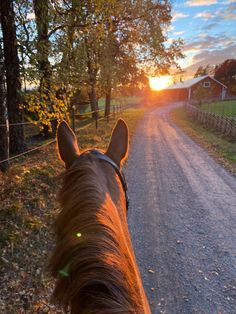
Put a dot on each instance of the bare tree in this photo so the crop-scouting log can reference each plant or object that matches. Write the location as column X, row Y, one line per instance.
column 4, row 131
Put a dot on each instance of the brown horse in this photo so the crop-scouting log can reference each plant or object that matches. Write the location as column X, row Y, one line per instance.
column 93, row 260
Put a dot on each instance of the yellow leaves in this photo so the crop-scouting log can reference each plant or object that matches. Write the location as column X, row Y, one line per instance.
column 46, row 106
column 18, row 178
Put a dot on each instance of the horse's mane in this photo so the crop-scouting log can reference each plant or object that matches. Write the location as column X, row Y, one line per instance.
column 93, row 259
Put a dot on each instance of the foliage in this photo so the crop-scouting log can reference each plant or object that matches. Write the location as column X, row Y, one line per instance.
column 102, row 44
column 226, row 74
column 201, row 71
column 36, row 103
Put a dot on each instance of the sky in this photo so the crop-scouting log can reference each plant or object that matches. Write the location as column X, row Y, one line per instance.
column 208, row 28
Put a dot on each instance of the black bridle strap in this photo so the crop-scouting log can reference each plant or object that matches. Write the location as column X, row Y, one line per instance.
column 104, row 157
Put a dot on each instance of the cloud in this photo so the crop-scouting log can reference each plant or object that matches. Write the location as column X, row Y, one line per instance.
column 209, row 43
column 197, row 3
column 179, row 15
column 204, row 15
column 230, row 16
column 229, row 2
column 211, row 57
column 209, row 26
column 229, row 13
column 179, row 33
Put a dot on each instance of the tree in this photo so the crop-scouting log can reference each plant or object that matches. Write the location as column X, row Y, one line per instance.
column 35, row 20
column 101, row 44
column 134, row 39
column 41, row 9
column 13, row 81
column 226, row 74
column 4, row 131
column 201, row 71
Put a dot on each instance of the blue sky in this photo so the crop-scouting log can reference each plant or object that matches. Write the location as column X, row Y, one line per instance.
column 208, row 28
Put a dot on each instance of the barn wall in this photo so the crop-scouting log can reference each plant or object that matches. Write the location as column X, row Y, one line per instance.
column 175, row 94
column 212, row 92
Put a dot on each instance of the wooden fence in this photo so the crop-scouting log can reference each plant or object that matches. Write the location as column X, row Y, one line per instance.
column 224, row 125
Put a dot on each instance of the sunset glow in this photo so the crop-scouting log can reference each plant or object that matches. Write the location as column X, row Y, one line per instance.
column 158, row 83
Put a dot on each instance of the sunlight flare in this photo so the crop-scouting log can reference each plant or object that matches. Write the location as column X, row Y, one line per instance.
column 158, row 83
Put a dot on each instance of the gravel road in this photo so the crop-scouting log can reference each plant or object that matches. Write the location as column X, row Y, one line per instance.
column 182, row 219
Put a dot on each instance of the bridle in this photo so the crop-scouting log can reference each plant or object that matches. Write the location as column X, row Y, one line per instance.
column 120, row 174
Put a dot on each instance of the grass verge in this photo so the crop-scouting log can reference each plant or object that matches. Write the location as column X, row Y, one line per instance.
column 223, row 150
column 28, row 210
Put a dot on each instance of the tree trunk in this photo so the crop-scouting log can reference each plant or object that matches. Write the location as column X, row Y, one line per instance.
column 108, row 102
column 4, row 128
column 93, row 101
column 12, row 76
column 43, row 47
column 92, row 82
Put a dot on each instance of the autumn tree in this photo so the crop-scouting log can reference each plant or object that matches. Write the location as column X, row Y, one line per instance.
column 226, row 74
column 13, row 80
column 41, row 9
column 96, row 45
column 134, row 39
column 35, row 29
column 207, row 70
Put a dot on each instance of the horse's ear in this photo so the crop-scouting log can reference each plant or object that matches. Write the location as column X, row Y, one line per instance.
column 118, row 147
column 67, row 144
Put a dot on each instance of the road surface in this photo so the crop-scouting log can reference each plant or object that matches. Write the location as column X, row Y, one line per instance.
column 182, row 219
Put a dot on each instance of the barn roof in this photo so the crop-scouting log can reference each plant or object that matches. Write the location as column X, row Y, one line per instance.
column 190, row 83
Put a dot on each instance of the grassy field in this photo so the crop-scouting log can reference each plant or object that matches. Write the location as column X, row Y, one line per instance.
column 217, row 146
column 225, row 108
column 129, row 100
column 28, row 210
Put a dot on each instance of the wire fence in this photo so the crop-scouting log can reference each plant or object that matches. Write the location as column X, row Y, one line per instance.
column 35, row 122
column 75, row 123
column 223, row 124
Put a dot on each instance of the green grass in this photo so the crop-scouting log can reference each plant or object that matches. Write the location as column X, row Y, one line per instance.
column 129, row 100
column 217, row 146
column 225, row 108
column 90, row 137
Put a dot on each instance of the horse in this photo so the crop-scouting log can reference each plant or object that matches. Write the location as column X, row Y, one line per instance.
column 93, row 260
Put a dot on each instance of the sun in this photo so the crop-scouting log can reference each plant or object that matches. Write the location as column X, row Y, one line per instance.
column 158, row 83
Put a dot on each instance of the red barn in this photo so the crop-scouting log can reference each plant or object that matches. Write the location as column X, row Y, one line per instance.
column 189, row 90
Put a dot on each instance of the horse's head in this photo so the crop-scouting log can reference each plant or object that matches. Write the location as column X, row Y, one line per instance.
column 69, row 150
column 93, row 259
column 115, row 155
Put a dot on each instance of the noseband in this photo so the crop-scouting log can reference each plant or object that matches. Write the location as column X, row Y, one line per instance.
column 120, row 174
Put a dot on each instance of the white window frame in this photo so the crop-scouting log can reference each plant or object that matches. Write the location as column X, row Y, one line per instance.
column 207, row 84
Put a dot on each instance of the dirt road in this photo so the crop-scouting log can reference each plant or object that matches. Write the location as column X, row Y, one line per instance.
column 182, row 219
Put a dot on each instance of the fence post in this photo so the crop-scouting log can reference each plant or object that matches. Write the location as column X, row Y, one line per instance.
column 96, row 119
column 224, row 125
